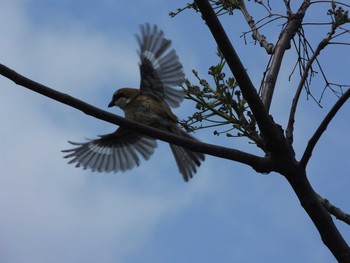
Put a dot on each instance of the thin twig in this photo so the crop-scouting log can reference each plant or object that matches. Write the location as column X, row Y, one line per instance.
column 329, row 2
column 335, row 211
column 321, row 129
column 290, row 127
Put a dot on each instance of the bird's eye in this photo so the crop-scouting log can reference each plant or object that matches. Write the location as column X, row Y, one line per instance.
column 117, row 96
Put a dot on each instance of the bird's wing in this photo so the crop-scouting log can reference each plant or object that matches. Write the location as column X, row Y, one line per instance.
column 118, row 151
column 160, row 67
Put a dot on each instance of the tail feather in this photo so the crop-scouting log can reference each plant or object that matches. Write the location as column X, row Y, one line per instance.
column 187, row 160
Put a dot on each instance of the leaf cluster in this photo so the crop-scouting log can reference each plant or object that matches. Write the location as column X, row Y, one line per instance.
column 338, row 15
column 220, row 104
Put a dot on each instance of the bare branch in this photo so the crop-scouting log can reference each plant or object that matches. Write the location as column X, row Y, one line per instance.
column 257, row 163
column 270, row 131
column 255, row 33
column 292, row 26
column 282, row 155
column 287, row 4
column 335, row 211
column 309, row 200
column 323, row 126
column 330, row 2
column 290, row 127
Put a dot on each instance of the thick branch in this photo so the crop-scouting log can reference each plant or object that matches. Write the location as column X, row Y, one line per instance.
column 293, row 24
column 257, row 163
column 309, row 200
column 282, row 155
column 321, row 129
column 269, row 130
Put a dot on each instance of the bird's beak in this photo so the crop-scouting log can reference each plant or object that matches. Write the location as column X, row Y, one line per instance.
column 111, row 104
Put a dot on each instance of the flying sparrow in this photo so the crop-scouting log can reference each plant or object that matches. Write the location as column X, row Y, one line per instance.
column 161, row 71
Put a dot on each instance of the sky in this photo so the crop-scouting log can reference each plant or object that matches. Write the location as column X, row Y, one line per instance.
column 54, row 212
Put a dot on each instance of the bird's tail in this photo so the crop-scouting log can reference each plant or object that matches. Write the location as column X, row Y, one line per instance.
column 186, row 160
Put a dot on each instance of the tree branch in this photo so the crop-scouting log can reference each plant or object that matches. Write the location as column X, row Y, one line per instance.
column 320, row 47
column 255, row 33
column 337, row 212
column 321, row 129
column 282, row 156
column 293, row 24
column 321, row 218
column 259, row 164
column 271, row 133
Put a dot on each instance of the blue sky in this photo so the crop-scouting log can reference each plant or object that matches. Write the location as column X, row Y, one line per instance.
column 54, row 212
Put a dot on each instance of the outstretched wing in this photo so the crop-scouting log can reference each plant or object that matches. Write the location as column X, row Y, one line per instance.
column 118, row 151
column 160, row 67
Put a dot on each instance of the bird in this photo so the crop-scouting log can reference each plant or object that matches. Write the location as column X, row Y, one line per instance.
column 161, row 76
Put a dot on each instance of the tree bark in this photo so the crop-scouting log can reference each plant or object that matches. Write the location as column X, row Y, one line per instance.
column 280, row 152
column 329, row 233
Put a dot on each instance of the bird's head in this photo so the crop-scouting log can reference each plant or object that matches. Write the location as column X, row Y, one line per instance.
column 122, row 97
